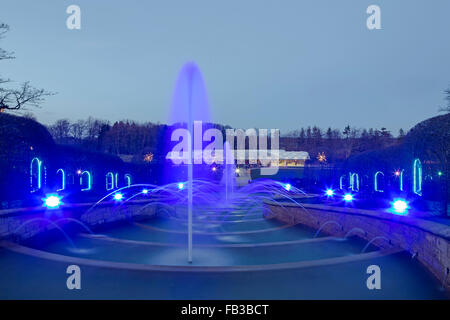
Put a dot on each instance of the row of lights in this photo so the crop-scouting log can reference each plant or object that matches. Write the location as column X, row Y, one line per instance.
column 118, row 196
column 348, row 197
column 397, row 173
column 399, row 206
column 53, row 201
column 237, row 170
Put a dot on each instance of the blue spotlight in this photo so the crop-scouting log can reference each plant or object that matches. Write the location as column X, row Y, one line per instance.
column 118, row 196
column 348, row 197
column 180, row 185
column 144, row 191
column 400, row 206
column 288, row 186
column 52, row 201
column 329, row 192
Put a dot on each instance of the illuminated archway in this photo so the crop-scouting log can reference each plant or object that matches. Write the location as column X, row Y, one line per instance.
column 417, row 177
column 62, row 185
column 116, row 180
column 342, row 183
column 376, row 183
column 401, row 179
column 354, row 181
column 109, row 181
column 88, row 185
column 128, row 179
column 35, row 174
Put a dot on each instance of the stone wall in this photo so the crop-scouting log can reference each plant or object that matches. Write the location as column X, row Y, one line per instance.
column 428, row 241
column 24, row 223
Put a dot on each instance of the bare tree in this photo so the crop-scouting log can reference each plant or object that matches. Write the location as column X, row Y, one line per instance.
column 346, row 131
column 4, row 28
column 78, row 130
column 23, row 96
column 94, row 128
column 60, row 130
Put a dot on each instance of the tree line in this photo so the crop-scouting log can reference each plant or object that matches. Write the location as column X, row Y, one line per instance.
column 339, row 144
column 138, row 139
column 122, row 137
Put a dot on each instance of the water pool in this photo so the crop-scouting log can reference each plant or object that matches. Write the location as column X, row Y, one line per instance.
column 280, row 262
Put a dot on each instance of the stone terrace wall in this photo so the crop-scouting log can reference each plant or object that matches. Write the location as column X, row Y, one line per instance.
column 428, row 241
column 24, row 223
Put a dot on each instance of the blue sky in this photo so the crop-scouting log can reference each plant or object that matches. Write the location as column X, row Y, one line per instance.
column 268, row 64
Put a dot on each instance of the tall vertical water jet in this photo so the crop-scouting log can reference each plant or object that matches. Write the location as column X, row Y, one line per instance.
column 189, row 98
column 189, row 104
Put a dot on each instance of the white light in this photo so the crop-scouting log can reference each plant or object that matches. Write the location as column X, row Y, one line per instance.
column 181, row 185
column 118, row 196
column 287, row 186
column 329, row 192
column 348, row 197
column 400, row 206
column 145, row 191
column 52, row 201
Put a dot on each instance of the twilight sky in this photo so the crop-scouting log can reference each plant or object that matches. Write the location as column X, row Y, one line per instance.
column 267, row 64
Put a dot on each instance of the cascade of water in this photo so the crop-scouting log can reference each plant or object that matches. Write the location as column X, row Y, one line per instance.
column 327, row 223
column 373, row 240
column 49, row 222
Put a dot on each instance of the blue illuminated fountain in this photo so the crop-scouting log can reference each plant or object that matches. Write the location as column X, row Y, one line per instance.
column 189, row 99
column 190, row 104
column 217, row 203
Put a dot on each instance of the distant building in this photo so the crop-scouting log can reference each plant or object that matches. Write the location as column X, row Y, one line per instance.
column 293, row 158
column 126, row 157
column 285, row 158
